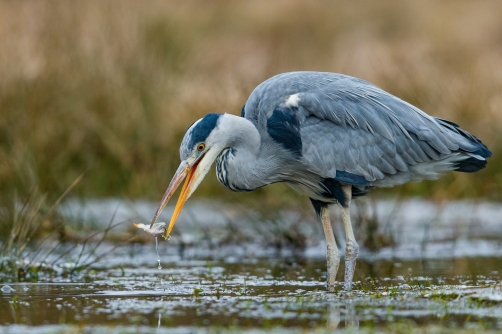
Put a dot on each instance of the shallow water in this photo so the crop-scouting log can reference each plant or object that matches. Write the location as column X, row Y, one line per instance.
column 276, row 293
column 442, row 272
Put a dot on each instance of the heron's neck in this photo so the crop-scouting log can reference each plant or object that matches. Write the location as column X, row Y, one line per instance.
column 240, row 167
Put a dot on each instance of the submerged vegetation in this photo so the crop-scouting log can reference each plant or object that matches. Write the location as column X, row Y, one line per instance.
column 264, row 295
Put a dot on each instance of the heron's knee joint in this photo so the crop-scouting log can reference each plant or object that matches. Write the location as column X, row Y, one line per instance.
column 351, row 250
column 332, row 248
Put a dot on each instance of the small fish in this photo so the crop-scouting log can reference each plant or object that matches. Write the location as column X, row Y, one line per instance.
column 157, row 230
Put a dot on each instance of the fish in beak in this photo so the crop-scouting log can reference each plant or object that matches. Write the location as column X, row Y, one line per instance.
column 194, row 172
column 184, row 171
column 157, row 230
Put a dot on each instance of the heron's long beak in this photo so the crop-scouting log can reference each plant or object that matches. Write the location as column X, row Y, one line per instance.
column 184, row 170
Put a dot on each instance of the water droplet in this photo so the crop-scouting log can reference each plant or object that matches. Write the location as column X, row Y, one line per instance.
column 168, row 237
column 157, row 249
column 7, row 289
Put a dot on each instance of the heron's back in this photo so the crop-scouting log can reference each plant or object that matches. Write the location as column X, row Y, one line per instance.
column 347, row 129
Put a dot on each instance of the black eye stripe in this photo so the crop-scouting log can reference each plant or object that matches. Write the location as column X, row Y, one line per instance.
column 202, row 129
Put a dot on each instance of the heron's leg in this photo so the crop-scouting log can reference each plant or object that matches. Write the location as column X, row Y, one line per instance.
column 332, row 253
column 351, row 248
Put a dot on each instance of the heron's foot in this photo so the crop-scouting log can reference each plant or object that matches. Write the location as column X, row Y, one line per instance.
column 333, row 263
column 331, row 279
column 351, row 253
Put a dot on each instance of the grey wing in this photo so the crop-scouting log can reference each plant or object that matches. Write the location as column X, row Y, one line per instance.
column 351, row 127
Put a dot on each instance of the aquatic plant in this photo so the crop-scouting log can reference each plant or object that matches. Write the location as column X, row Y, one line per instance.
column 22, row 222
column 34, row 239
column 116, row 101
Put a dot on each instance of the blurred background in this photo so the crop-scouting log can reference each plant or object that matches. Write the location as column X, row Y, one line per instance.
column 106, row 89
column 95, row 97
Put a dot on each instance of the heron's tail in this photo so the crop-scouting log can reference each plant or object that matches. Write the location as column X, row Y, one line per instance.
column 474, row 151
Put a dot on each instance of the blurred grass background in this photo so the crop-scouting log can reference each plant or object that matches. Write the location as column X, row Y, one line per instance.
column 108, row 88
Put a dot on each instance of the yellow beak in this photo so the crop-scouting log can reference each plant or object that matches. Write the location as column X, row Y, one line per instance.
column 183, row 171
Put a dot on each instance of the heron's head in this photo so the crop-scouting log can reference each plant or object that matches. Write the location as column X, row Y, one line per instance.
column 201, row 145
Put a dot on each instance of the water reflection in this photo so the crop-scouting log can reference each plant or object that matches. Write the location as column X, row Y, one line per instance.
column 257, row 292
column 351, row 319
column 335, row 311
column 333, row 318
column 160, row 316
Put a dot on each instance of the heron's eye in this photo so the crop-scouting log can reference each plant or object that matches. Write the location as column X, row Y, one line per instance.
column 201, row 147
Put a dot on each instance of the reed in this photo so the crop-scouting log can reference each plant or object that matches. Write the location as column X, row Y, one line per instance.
column 108, row 88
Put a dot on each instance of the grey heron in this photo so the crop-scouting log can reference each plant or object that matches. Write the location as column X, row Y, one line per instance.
column 330, row 137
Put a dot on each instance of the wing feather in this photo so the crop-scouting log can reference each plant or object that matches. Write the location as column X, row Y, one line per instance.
column 350, row 125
